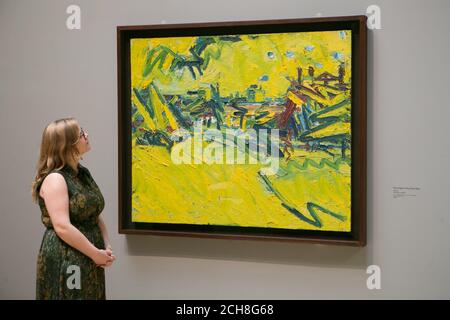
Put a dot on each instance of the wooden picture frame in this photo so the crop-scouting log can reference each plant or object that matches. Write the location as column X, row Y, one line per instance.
column 317, row 127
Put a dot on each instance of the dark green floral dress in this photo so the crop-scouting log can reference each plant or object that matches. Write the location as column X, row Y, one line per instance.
column 56, row 260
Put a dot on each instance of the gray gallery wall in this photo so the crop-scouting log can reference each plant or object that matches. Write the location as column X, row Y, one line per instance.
column 48, row 72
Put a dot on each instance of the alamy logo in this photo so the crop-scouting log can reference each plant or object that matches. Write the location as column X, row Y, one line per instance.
column 374, row 280
column 230, row 147
column 73, row 21
column 373, row 17
column 74, row 280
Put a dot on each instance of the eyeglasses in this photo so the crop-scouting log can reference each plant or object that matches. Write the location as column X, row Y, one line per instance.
column 82, row 134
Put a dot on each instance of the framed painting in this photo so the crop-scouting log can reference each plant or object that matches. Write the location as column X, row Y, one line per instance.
column 244, row 130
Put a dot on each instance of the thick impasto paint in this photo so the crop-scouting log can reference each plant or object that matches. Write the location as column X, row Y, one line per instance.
column 297, row 83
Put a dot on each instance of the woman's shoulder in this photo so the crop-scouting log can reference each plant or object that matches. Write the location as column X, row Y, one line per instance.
column 54, row 175
column 54, row 180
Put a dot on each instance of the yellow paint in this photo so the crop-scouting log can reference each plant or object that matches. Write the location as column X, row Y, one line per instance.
column 333, row 129
column 266, row 118
column 294, row 98
column 160, row 107
column 243, row 63
column 141, row 109
column 244, row 121
column 337, row 112
column 233, row 194
column 228, row 120
column 259, row 96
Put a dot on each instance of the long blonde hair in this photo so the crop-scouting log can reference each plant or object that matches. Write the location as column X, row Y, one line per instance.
column 57, row 150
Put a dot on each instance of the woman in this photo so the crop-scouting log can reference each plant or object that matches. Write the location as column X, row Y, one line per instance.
column 75, row 248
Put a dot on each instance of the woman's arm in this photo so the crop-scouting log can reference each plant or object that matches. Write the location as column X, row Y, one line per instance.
column 108, row 248
column 102, row 225
column 55, row 194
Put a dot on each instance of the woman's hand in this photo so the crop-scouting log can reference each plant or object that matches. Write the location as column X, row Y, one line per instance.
column 103, row 257
column 112, row 256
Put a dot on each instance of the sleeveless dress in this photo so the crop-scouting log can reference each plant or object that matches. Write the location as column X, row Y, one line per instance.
column 63, row 272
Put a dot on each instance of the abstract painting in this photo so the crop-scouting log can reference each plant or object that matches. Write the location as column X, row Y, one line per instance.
column 243, row 133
